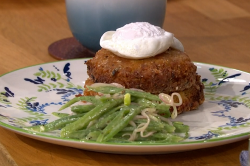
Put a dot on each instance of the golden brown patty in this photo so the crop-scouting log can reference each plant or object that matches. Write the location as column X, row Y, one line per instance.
column 192, row 97
column 168, row 72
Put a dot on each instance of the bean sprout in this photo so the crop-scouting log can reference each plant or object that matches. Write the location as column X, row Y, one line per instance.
column 165, row 120
column 143, row 126
column 126, row 134
column 117, row 95
column 169, row 100
column 139, row 117
column 132, row 123
column 117, row 85
column 105, row 84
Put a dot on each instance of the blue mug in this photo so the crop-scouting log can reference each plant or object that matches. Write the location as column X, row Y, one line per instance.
column 89, row 19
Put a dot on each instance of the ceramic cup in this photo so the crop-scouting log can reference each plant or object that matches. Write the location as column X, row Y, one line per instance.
column 89, row 19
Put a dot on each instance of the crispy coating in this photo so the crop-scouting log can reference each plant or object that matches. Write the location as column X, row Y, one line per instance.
column 192, row 97
column 171, row 71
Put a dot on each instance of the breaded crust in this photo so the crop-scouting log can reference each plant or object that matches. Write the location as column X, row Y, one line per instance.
column 171, row 71
column 192, row 97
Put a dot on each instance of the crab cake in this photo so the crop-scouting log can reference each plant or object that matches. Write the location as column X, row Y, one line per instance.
column 168, row 72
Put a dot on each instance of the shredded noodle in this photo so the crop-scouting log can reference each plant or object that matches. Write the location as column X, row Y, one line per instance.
column 132, row 123
column 169, row 100
column 143, row 126
column 150, row 113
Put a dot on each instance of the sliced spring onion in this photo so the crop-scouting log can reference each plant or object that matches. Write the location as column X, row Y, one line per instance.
column 127, row 99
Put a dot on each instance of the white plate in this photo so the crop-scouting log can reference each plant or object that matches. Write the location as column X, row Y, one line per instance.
column 29, row 96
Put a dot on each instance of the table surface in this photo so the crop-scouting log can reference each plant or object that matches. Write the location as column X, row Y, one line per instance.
column 215, row 32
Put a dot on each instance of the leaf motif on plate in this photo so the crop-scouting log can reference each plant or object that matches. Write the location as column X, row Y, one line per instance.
column 47, row 80
column 208, row 135
column 221, row 76
column 4, row 97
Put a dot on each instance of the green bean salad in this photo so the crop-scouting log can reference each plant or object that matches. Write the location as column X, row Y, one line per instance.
column 120, row 115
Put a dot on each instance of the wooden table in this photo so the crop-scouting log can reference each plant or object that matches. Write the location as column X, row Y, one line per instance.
column 215, row 32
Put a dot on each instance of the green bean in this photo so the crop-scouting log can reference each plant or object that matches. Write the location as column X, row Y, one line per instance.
column 90, row 99
column 82, row 108
column 180, row 127
column 124, row 122
column 102, row 122
column 149, row 128
column 152, row 126
column 152, row 123
column 128, row 129
column 158, row 138
column 157, row 126
column 113, row 110
column 93, row 135
column 60, row 123
column 60, row 115
column 113, row 90
column 155, row 138
column 111, row 125
column 163, row 108
column 106, row 118
column 79, row 134
column 167, row 137
column 142, row 94
column 122, row 135
column 95, row 113
column 106, row 89
column 57, row 124
column 158, row 123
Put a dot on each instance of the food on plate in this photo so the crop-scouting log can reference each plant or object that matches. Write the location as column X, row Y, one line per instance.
column 137, row 81
column 119, row 115
column 145, row 57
